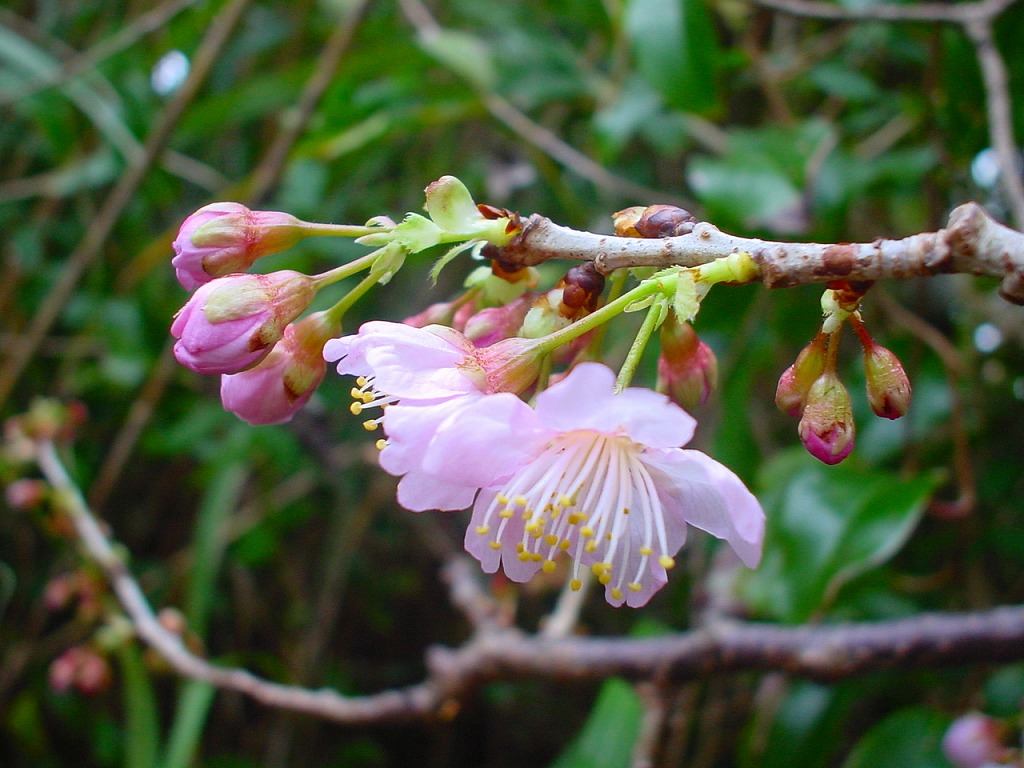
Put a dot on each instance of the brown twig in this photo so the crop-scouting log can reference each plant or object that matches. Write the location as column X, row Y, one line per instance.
column 819, row 652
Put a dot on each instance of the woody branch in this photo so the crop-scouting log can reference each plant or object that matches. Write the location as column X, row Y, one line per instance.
column 496, row 652
column 971, row 243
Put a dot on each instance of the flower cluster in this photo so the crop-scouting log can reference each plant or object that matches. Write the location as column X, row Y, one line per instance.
column 492, row 400
column 811, row 390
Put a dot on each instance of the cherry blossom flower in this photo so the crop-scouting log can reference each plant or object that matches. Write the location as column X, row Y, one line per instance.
column 597, row 475
column 421, row 378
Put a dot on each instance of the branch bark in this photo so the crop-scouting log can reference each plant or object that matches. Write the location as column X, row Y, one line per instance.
column 972, row 243
column 825, row 653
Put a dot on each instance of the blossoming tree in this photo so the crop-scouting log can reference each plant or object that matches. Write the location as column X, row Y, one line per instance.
column 685, row 464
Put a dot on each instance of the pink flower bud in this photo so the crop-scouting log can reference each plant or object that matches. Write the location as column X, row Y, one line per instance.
column 826, row 426
column 80, row 668
column 26, row 493
column 796, row 380
column 510, row 365
column 223, row 238
column 973, row 740
column 233, row 322
column 887, row 383
column 687, row 367
column 272, row 391
column 491, row 325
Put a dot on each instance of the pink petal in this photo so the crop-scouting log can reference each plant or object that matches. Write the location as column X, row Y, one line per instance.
column 702, row 492
column 419, row 492
column 585, row 399
column 485, row 441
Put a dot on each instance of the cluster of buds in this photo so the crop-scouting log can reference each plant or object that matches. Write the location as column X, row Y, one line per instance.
column 247, row 327
column 82, row 669
column 811, row 389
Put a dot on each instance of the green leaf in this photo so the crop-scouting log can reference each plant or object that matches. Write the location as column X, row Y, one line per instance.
column 676, row 51
column 464, row 54
column 194, row 702
column 141, row 727
column 910, row 738
column 608, row 736
column 826, row 526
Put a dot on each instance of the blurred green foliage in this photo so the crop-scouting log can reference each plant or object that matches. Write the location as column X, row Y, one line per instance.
column 289, row 557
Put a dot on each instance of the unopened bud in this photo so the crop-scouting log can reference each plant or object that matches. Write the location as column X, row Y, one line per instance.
column 796, row 380
column 826, row 426
column 491, row 325
column 223, row 238
column 26, row 494
column 887, row 384
column 272, row 391
column 973, row 740
column 687, row 367
column 665, row 221
column 233, row 322
column 81, row 668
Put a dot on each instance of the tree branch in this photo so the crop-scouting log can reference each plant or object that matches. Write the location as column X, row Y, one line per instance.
column 825, row 653
column 972, row 243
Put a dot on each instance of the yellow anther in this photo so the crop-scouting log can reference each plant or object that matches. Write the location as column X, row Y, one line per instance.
column 523, row 556
column 608, row 535
column 527, row 513
column 536, row 557
column 357, row 394
column 548, row 566
column 522, row 501
column 605, row 577
column 590, row 546
column 520, row 547
column 551, row 539
column 635, row 586
column 616, row 593
column 666, row 562
column 370, row 425
column 533, row 527
column 367, row 397
column 483, row 530
column 381, row 444
column 575, row 584
column 574, row 518
column 507, row 512
column 564, row 500
column 502, row 499
column 495, row 545
column 356, row 408
column 597, row 569
column 361, row 381
column 586, row 531
column 564, row 544
column 625, row 510
column 646, row 551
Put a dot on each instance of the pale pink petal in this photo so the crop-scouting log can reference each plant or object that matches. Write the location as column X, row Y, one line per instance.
column 518, row 570
column 702, row 492
column 419, row 491
column 585, row 399
column 484, row 441
column 410, row 428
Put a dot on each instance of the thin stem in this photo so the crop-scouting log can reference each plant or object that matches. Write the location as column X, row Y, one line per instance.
column 654, row 318
column 348, row 269
column 337, row 312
